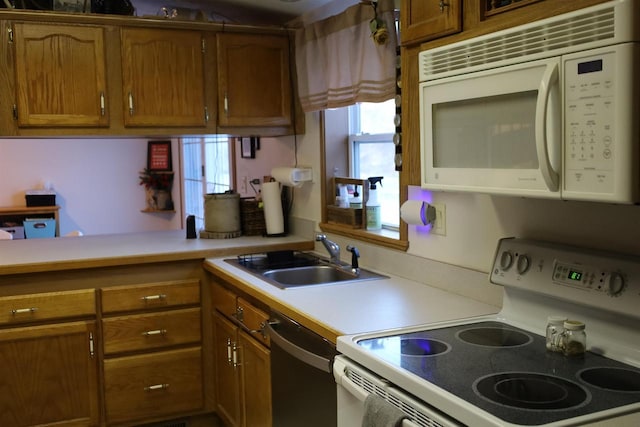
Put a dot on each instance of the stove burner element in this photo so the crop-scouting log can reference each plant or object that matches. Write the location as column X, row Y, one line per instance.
column 422, row 347
column 494, row 337
column 526, row 390
column 613, row 379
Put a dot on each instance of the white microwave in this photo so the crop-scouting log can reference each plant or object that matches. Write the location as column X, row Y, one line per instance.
column 549, row 109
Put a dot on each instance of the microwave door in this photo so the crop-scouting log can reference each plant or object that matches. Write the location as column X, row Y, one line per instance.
column 496, row 131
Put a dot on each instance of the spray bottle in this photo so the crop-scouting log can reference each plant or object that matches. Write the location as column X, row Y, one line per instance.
column 373, row 204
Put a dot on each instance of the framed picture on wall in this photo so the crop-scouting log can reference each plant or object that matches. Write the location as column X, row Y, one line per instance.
column 247, row 148
column 159, row 156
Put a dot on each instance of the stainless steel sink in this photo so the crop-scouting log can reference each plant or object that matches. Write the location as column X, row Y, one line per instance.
column 309, row 270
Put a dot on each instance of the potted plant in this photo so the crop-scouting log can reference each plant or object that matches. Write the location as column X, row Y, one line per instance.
column 158, row 187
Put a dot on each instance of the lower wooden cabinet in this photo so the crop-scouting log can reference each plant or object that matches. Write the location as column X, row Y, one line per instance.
column 49, row 375
column 153, row 385
column 243, row 362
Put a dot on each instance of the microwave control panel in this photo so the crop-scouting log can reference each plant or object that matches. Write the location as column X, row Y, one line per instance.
column 589, row 149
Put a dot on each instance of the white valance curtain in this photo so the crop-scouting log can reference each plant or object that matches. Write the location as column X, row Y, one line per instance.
column 339, row 64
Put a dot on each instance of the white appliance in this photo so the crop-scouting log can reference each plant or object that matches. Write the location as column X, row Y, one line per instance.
column 547, row 109
column 495, row 370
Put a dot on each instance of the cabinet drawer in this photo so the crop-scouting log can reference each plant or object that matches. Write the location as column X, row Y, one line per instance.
column 153, row 385
column 150, row 331
column 254, row 320
column 224, row 300
column 150, row 296
column 47, row 305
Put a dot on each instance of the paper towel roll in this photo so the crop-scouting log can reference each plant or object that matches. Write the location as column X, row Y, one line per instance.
column 286, row 176
column 273, row 216
column 413, row 212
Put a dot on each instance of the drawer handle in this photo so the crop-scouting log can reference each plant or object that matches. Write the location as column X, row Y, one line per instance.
column 153, row 297
column 154, row 332
column 156, row 387
column 23, row 310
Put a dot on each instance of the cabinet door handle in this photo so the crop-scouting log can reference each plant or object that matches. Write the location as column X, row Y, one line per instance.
column 206, row 115
column 235, row 356
column 91, row 352
column 226, row 104
column 23, row 310
column 154, row 332
column 262, row 331
column 153, row 297
column 229, row 359
column 156, row 387
column 102, row 104
column 442, row 5
column 130, row 104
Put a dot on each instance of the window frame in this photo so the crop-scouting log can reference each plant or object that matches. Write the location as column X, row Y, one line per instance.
column 203, row 140
column 384, row 238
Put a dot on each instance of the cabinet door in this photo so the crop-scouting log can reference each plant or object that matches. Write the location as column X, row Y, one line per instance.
column 49, row 375
column 254, row 84
column 255, row 365
column 422, row 20
column 60, row 75
column 227, row 379
column 163, row 77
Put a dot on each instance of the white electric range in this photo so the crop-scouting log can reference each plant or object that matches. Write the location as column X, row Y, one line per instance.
column 495, row 370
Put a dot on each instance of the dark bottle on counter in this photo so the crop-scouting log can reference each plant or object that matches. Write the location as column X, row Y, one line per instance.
column 191, row 227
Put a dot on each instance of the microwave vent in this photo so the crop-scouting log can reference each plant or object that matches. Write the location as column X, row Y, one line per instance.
column 562, row 34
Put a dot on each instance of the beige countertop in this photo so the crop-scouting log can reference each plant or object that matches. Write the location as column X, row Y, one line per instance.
column 67, row 253
column 356, row 307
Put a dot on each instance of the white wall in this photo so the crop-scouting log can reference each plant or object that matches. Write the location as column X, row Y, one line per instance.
column 96, row 181
column 273, row 152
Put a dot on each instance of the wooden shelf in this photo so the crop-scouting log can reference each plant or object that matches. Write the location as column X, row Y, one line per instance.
column 20, row 213
column 158, row 210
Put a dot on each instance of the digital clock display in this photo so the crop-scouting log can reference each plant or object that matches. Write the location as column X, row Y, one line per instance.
column 575, row 275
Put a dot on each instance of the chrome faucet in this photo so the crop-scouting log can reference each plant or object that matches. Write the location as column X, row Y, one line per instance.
column 332, row 247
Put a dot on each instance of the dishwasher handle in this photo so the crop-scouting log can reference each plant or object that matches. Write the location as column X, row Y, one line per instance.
column 311, row 359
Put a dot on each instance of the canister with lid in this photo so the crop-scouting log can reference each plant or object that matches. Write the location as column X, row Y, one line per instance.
column 574, row 339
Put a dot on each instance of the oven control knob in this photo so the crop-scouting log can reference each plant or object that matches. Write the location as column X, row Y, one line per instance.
column 614, row 284
column 506, row 260
column 523, row 264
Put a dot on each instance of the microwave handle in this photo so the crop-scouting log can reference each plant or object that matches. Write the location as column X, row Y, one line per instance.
column 549, row 78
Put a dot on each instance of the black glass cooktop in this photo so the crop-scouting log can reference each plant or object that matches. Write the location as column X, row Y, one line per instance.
column 508, row 372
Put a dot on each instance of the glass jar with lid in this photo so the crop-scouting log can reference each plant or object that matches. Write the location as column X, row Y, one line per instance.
column 555, row 327
column 574, row 339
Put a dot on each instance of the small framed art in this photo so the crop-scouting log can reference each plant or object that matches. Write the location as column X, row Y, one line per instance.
column 159, row 156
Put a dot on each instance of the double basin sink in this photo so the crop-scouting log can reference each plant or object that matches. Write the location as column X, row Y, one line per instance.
column 289, row 269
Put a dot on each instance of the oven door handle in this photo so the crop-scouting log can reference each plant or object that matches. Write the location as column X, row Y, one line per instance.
column 358, row 392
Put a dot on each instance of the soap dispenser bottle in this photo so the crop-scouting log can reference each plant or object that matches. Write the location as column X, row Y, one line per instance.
column 374, row 221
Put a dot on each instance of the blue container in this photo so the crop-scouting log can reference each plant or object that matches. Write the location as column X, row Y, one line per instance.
column 37, row 228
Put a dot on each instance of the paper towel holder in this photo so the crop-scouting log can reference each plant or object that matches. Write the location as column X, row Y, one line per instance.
column 418, row 212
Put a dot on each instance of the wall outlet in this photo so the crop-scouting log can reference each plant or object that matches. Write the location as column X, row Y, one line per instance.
column 440, row 224
column 244, row 184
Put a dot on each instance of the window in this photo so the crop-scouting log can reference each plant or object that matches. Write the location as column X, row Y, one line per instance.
column 206, row 169
column 372, row 151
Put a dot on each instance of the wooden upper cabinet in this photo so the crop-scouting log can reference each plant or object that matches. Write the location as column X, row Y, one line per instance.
column 254, row 81
column 163, row 77
column 422, row 20
column 60, row 75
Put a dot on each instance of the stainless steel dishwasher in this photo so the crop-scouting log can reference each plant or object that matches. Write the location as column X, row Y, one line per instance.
column 302, row 384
